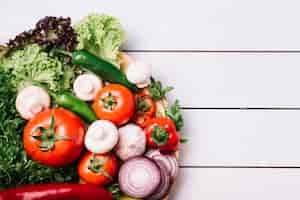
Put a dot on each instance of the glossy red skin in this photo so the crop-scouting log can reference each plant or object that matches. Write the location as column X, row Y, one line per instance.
column 88, row 176
column 64, row 151
column 56, row 192
column 142, row 119
column 169, row 126
column 124, row 109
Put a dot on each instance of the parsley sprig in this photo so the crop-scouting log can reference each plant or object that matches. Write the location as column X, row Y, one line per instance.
column 174, row 112
column 157, row 91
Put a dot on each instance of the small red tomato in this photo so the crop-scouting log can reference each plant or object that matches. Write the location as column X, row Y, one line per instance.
column 54, row 137
column 98, row 169
column 161, row 133
column 115, row 103
column 145, row 109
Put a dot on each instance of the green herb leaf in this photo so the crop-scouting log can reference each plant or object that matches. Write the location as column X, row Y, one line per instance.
column 183, row 140
column 115, row 190
column 16, row 168
column 156, row 90
column 174, row 112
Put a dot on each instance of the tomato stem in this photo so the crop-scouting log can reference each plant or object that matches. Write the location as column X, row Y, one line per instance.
column 109, row 101
column 48, row 136
column 96, row 166
column 142, row 105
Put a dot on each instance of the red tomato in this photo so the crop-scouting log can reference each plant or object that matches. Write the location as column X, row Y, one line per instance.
column 145, row 109
column 161, row 133
column 54, row 137
column 115, row 103
column 98, row 169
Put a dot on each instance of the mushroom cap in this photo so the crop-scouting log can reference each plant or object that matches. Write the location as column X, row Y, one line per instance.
column 101, row 136
column 86, row 86
column 32, row 100
column 139, row 73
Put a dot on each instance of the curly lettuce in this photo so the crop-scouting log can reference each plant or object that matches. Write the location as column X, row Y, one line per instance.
column 101, row 35
column 33, row 65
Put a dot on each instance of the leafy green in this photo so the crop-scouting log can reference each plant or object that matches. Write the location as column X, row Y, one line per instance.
column 115, row 190
column 49, row 32
column 156, row 90
column 3, row 50
column 183, row 140
column 174, row 113
column 15, row 167
column 101, row 35
column 33, row 64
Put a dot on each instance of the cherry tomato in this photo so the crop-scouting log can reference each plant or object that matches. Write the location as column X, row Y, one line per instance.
column 161, row 133
column 54, row 137
column 115, row 103
column 145, row 109
column 98, row 169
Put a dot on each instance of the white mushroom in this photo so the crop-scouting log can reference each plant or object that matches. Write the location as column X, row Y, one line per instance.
column 132, row 142
column 139, row 73
column 101, row 136
column 32, row 100
column 86, row 86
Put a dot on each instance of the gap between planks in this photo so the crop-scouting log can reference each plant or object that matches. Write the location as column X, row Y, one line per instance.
column 211, row 51
column 240, row 108
column 237, row 167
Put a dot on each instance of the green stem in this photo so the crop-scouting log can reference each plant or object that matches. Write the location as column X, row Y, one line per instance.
column 63, row 52
column 160, row 135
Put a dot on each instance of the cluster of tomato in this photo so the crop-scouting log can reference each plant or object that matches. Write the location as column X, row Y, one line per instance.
column 55, row 136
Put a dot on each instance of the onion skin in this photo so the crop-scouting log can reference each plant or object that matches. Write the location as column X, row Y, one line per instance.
column 139, row 177
column 169, row 160
column 165, row 183
column 152, row 152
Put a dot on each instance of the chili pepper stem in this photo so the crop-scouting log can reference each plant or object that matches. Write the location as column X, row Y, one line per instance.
column 60, row 51
column 160, row 135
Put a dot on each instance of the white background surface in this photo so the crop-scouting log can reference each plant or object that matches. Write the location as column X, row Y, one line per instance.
column 236, row 67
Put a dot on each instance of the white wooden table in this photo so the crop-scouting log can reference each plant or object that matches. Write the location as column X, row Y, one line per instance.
column 235, row 65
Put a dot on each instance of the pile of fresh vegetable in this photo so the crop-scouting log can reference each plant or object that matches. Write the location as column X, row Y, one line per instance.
column 74, row 109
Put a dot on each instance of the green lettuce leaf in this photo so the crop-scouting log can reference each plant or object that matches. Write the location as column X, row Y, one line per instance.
column 32, row 64
column 101, row 35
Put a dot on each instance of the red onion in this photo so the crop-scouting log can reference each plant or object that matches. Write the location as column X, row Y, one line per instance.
column 165, row 183
column 139, row 177
column 152, row 152
column 174, row 162
column 170, row 161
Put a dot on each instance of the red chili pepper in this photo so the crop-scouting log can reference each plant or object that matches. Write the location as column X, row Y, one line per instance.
column 161, row 133
column 57, row 192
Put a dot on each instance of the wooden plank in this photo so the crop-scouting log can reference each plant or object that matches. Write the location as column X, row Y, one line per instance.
column 228, row 80
column 183, row 25
column 246, row 184
column 241, row 138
